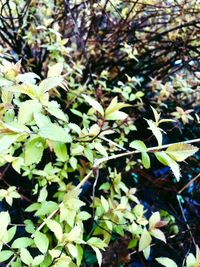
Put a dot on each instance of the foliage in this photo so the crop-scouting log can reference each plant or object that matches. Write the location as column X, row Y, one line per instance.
column 68, row 104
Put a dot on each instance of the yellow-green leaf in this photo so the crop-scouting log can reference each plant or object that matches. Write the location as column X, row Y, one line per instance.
column 41, row 241
column 116, row 115
column 181, row 151
column 138, row 145
column 95, row 104
column 115, row 106
column 146, row 160
column 167, row 160
column 145, row 240
column 55, row 227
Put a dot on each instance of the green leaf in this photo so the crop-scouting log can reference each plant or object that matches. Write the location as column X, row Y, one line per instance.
column 27, row 109
column 43, row 194
column 101, row 149
column 22, row 242
column 145, row 240
column 28, row 77
column 166, row 262
column 41, row 120
column 55, row 227
column 50, row 83
column 138, row 145
column 116, row 115
column 34, row 150
column 11, row 233
column 38, row 259
column 92, row 102
column 157, row 132
column 88, row 154
column 166, row 160
column 105, row 204
column 47, row 208
column 26, row 256
column 57, row 112
column 54, row 132
column 60, row 151
column 115, row 106
column 72, row 250
column 146, row 160
column 96, row 242
column 181, row 151
column 41, row 241
column 5, row 255
column 73, row 162
column 29, row 226
column 190, row 260
column 80, row 255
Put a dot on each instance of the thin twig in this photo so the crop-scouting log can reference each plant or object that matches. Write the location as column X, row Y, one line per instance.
column 189, row 183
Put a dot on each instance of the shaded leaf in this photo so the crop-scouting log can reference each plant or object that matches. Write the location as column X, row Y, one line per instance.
column 166, row 160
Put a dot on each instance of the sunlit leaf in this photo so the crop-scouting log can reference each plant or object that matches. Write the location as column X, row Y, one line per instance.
column 115, row 106
column 60, row 151
column 55, row 70
column 55, row 228
column 49, row 83
column 26, row 256
column 41, row 241
column 166, row 262
column 5, row 255
column 138, row 145
column 54, row 132
column 101, row 149
column 145, row 240
column 116, row 115
column 181, row 151
column 95, row 104
column 22, row 242
column 27, row 109
column 34, row 150
column 157, row 233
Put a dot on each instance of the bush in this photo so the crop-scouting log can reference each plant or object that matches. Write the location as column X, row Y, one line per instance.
column 62, row 127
